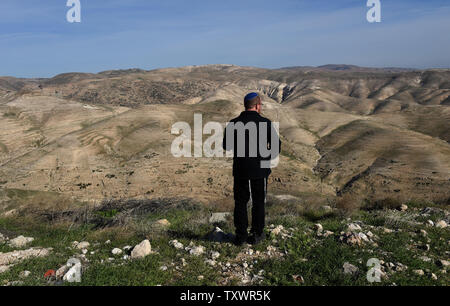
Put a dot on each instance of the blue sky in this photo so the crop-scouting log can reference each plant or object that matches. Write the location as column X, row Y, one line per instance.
column 37, row 41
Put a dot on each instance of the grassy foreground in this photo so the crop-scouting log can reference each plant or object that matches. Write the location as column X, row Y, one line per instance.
column 298, row 250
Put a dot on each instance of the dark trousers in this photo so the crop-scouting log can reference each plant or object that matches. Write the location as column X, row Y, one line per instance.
column 242, row 189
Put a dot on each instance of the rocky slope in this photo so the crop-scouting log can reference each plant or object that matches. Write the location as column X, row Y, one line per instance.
column 373, row 133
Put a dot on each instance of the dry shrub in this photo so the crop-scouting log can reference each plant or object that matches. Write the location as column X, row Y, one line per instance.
column 385, row 203
column 348, row 203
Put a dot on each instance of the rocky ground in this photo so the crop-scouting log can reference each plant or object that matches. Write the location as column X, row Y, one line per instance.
column 191, row 246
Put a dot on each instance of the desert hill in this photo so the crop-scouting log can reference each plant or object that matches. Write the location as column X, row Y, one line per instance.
column 371, row 132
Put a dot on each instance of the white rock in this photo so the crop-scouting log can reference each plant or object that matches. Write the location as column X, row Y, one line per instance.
column 277, row 230
column 163, row 268
column 419, row 272
column 176, row 244
column 215, row 255
column 116, row 251
column 318, row 227
column 443, row 263
column 441, row 224
column 430, row 222
column 219, row 217
column 20, row 241
column 84, row 251
column 24, row 274
column 210, row 262
column 61, row 271
column 4, row 268
column 141, row 250
column 403, row 207
column 363, row 237
column 354, row 227
column 83, row 245
column 107, row 241
column 328, row 233
column 74, row 274
column 197, row 251
column 350, row 269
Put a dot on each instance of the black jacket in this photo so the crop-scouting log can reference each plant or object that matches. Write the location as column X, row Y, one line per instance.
column 249, row 166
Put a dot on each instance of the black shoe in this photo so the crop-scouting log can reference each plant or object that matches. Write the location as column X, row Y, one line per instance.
column 256, row 238
column 240, row 240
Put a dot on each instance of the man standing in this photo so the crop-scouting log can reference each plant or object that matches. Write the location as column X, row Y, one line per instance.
column 254, row 142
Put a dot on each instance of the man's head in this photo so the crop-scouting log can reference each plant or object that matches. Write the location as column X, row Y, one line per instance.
column 252, row 102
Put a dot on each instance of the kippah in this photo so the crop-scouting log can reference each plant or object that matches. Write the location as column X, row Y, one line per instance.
column 250, row 96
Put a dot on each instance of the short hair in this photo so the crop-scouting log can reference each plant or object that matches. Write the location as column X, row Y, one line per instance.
column 251, row 100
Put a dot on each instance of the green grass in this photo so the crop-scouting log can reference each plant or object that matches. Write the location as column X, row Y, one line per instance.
column 318, row 260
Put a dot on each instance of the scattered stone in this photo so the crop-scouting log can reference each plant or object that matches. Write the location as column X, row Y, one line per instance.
column 430, row 222
column 350, row 269
column 62, row 271
column 328, row 233
column 20, row 241
column 116, row 251
column 353, row 227
column 403, row 207
column 84, row 251
column 425, row 258
column 423, row 233
column 24, row 274
column 107, row 241
column 127, row 247
column 215, row 255
column 419, row 272
column 219, row 217
column 163, row 268
column 210, row 262
column 176, row 244
column 82, row 245
column 195, row 250
column 399, row 267
column 363, row 237
column 14, row 283
column 434, row 276
column 350, row 238
column 442, row 263
column 3, row 238
column 441, row 224
column 298, row 278
column 74, row 274
column 277, row 230
column 387, row 230
column 318, row 227
column 16, row 256
column 200, row 277
column 141, row 250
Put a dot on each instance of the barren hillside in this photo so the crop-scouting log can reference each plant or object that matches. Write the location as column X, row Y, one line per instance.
column 375, row 133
